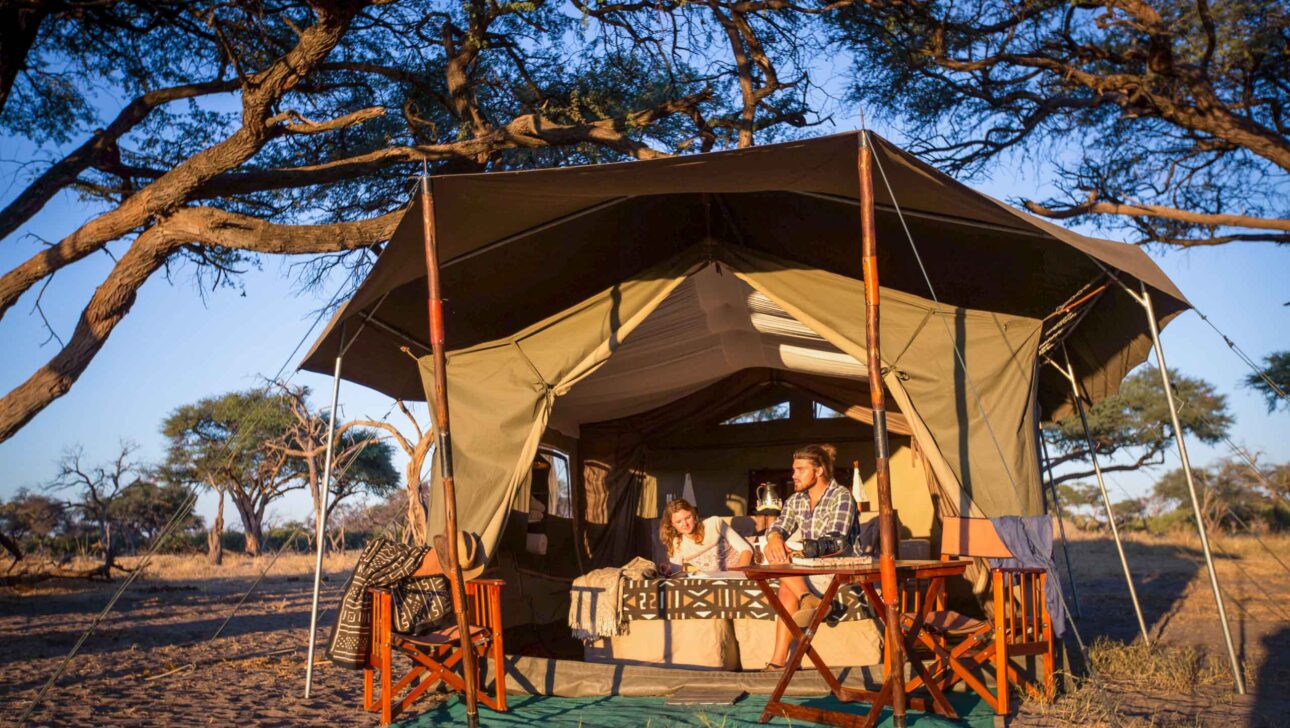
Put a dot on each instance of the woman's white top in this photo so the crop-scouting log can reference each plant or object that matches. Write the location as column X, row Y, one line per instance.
column 718, row 551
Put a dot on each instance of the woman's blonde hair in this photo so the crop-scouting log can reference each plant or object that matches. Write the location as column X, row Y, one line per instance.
column 821, row 456
column 667, row 533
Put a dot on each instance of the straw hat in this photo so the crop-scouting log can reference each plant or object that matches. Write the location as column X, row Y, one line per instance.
column 470, row 554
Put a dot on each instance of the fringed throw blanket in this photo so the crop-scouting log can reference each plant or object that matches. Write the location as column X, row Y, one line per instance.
column 595, row 603
column 419, row 604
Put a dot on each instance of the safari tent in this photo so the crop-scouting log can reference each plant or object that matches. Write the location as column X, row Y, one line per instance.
column 618, row 314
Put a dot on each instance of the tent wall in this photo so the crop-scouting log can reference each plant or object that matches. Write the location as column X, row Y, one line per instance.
column 964, row 377
column 972, row 410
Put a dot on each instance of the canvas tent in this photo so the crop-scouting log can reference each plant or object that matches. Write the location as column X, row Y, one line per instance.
column 587, row 295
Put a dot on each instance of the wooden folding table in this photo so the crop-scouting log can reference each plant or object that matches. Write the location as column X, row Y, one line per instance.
column 868, row 577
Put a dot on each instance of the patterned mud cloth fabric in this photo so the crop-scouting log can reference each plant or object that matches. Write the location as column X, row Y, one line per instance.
column 646, row 599
column 419, row 603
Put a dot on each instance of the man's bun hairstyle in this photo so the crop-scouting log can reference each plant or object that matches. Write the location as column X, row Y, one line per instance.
column 821, row 456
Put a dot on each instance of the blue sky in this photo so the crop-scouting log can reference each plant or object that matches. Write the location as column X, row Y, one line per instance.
column 177, row 346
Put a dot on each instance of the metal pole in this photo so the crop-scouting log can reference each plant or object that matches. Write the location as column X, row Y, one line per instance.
column 1069, row 371
column 320, row 518
column 1191, row 487
column 444, row 447
column 1061, row 525
column 886, row 519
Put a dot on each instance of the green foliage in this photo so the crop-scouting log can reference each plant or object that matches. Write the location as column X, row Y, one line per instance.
column 1231, row 494
column 220, row 440
column 144, row 508
column 33, row 519
column 1276, row 372
column 1135, row 423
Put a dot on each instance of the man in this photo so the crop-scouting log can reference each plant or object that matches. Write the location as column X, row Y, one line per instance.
column 818, row 507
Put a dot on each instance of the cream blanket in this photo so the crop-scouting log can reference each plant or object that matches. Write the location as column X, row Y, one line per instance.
column 595, row 600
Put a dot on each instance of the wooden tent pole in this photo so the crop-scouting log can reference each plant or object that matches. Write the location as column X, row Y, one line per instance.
column 886, row 519
column 444, row 448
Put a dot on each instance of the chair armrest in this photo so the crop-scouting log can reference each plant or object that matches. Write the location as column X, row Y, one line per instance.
column 1017, row 570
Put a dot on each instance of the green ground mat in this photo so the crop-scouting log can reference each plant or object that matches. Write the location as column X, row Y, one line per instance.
column 622, row 712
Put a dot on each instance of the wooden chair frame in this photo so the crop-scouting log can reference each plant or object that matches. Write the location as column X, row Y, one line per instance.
column 435, row 656
column 1018, row 624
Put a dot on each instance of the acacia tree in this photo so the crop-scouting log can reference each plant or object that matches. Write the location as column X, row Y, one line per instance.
column 1131, row 430
column 416, row 449
column 292, row 128
column 361, row 461
column 234, row 444
column 1166, row 117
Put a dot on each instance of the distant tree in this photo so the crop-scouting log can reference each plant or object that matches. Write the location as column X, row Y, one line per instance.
column 144, row 508
column 1275, row 376
column 417, row 449
column 1082, row 502
column 1231, row 492
column 234, row 445
column 32, row 517
column 1135, row 423
column 1166, row 117
column 1131, row 513
column 361, row 461
column 97, row 488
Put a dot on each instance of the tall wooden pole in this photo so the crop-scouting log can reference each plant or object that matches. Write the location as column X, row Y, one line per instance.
column 444, row 448
column 877, row 399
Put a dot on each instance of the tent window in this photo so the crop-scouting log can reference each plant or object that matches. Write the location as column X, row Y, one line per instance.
column 824, row 412
column 778, row 411
column 560, row 486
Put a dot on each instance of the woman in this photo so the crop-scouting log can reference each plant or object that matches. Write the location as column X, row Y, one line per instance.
column 707, row 545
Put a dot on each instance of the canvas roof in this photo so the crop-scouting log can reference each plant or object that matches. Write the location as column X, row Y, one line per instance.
column 517, row 247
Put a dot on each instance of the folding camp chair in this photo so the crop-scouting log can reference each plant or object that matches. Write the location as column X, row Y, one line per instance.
column 434, row 656
column 1018, row 624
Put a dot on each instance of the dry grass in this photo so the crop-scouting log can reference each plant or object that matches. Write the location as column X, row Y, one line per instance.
column 1175, row 669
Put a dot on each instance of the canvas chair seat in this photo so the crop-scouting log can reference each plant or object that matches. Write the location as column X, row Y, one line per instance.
column 952, row 623
column 436, row 656
column 447, row 636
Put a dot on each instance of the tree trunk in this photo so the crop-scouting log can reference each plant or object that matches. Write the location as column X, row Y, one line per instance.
column 109, row 553
column 252, row 524
column 215, row 537
column 254, row 538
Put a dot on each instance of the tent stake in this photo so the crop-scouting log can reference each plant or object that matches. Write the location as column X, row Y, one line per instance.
column 895, row 663
column 1061, row 525
column 1145, row 300
column 444, row 448
column 320, row 518
column 1069, row 371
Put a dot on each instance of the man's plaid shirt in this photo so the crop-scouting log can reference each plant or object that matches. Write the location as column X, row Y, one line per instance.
column 835, row 513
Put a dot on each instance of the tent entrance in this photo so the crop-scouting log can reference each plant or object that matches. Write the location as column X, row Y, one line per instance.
column 717, row 385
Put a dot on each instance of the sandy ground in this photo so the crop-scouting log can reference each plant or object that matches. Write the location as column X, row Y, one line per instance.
column 125, row 674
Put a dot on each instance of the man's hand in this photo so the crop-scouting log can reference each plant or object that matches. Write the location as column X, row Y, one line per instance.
column 774, row 551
